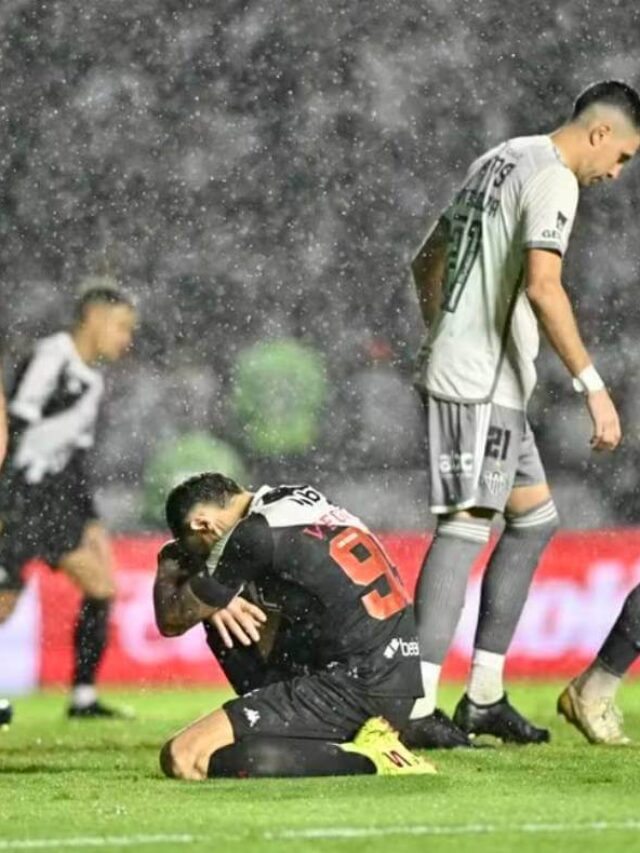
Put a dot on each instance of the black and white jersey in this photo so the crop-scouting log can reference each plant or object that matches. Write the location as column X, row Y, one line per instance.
column 329, row 578
column 53, row 408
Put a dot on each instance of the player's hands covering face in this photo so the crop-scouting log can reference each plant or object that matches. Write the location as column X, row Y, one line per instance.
column 239, row 620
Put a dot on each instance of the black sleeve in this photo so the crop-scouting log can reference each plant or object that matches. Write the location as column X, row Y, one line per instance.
column 194, row 571
column 248, row 553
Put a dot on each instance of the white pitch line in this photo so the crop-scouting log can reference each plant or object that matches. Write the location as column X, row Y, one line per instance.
column 461, row 829
column 94, row 841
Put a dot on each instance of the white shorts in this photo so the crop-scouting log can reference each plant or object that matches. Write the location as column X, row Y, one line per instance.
column 478, row 452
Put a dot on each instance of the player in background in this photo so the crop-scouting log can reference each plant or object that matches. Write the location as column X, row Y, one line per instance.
column 46, row 505
column 322, row 681
column 588, row 702
column 488, row 275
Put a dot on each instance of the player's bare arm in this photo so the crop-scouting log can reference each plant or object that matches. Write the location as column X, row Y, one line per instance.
column 551, row 304
column 178, row 608
column 428, row 269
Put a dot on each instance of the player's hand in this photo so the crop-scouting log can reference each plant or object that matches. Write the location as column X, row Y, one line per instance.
column 239, row 620
column 606, row 423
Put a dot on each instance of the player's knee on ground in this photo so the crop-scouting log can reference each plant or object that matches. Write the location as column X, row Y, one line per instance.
column 175, row 762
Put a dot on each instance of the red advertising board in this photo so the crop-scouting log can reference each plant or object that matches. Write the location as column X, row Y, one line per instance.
column 576, row 595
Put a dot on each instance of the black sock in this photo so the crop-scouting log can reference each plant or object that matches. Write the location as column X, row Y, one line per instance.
column 622, row 646
column 90, row 639
column 256, row 757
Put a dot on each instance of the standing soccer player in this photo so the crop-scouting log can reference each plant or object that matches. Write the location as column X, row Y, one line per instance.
column 488, row 274
column 46, row 505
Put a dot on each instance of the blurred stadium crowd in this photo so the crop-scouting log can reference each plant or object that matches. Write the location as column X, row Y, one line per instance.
column 257, row 175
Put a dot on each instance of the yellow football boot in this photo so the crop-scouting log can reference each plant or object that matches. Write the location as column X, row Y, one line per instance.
column 379, row 742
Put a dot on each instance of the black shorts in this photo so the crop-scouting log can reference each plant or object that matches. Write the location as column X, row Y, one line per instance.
column 42, row 520
column 325, row 705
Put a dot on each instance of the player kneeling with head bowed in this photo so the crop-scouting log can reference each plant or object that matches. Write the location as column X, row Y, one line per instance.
column 310, row 623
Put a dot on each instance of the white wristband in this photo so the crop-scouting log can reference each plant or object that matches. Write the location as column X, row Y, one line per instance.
column 588, row 381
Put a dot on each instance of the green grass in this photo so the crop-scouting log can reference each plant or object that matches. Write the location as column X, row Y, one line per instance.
column 65, row 780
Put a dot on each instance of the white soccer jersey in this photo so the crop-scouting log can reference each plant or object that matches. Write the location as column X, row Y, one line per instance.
column 484, row 341
column 57, row 400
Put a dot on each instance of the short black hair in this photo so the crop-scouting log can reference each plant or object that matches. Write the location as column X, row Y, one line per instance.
column 202, row 488
column 100, row 296
column 613, row 93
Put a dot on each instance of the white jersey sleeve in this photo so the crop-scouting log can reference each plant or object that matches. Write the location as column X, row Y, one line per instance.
column 548, row 208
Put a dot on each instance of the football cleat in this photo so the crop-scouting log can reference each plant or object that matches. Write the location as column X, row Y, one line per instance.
column 379, row 742
column 599, row 721
column 6, row 714
column 98, row 711
column 435, row 731
column 499, row 719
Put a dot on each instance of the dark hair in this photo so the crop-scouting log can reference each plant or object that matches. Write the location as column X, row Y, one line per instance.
column 203, row 488
column 100, row 296
column 613, row 93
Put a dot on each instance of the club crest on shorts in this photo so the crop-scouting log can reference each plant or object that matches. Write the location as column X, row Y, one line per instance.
column 495, row 482
column 252, row 716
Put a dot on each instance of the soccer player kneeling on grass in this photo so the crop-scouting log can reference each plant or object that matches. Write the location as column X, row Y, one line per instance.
column 310, row 623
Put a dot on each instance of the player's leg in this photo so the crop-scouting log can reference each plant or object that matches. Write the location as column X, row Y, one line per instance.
column 208, row 749
column 309, row 726
column 458, row 541
column 89, row 567
column 530, row 522
column 187, row 754
column 457, row 437
column 588, row 702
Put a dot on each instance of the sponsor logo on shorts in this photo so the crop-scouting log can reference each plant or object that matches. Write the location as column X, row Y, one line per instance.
column 495, row 482
column 252, row 716
column 456, row 463
column 407, row 648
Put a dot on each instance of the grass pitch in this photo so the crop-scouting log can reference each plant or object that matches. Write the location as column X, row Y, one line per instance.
column 88, row 785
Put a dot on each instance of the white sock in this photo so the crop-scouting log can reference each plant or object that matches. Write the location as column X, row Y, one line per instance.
column 83, row 695
column 485, row 679
column 598, row 682
column 426, row 705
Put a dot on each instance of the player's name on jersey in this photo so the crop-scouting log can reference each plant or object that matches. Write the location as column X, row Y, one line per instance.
column 476, row 200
